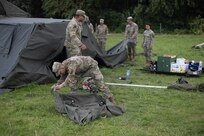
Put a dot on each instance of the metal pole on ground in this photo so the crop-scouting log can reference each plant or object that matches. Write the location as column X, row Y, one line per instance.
column 134, row 85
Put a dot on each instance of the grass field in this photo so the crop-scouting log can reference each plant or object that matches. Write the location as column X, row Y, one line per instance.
column 29, row 111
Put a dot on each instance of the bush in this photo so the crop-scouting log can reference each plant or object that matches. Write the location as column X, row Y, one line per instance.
column 181, row 31
column 197, row 25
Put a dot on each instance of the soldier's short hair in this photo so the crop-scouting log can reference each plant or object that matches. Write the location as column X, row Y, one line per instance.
column 148, row 24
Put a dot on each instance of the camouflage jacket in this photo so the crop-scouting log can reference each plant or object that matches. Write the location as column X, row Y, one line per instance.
column 148, row 38
column 75, row 66
column 131, row 31
column 73, row 34
column 102, row 31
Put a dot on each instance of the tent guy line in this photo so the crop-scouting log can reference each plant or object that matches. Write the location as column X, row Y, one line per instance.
column 134, row 85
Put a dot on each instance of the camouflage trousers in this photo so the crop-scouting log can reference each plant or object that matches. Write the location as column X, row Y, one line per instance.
column 97, row 77
column 102, row 42
column 131, row 49
column 73, row 51
column 148, row 52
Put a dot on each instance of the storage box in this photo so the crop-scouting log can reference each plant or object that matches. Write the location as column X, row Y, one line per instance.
column 164, row 63
column 176, row 68
column 194, row 66
column 183, row 68
column 180, row 61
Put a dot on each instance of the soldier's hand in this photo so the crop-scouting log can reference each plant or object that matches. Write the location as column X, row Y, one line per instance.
column 83, row 46
column 59, row 86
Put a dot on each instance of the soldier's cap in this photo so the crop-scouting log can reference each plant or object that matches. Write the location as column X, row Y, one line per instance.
column 101, row 20
column 80, row 12
column 55, row 68
column 129, row 18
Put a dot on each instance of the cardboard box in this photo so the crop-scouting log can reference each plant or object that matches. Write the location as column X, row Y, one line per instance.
column 175, row 68
column 180, row 61
column 169, row 56
column 183, row 68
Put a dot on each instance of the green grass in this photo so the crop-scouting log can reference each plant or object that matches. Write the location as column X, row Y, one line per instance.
column 150, row 112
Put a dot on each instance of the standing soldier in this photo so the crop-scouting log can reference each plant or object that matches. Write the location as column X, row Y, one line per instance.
column 131, row 32
column 73, row 69
column 147, row 43
column 102, row 33
column 73, row 42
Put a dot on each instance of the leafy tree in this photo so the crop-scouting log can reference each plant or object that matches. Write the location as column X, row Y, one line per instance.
column 172, row 14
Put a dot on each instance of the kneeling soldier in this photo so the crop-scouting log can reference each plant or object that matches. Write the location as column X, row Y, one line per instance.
column 73, row 69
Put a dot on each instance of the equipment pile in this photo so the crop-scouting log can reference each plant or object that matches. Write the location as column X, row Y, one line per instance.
column 172, row 64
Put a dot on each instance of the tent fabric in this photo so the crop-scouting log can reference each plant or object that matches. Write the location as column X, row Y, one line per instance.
column 10, row 10
column 9, row 58
column 6, row 38
column 111, row 58
column 84, row 108
column 33, row 47
column 29, row 46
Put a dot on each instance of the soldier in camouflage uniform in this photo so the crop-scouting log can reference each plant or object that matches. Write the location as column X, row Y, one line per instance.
column 73, row 42
column 102, row 33
column 74, row 69
column 131, row 32
column 147, row 43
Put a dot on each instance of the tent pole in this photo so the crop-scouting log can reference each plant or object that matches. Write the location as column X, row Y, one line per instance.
column 134, row 85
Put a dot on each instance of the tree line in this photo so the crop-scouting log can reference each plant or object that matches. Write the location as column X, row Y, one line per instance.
column 180, row 16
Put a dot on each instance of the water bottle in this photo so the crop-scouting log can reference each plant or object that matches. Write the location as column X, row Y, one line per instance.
column 200, row 66
column 128, row 74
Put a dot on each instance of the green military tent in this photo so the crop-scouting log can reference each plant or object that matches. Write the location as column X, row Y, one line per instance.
column 28, row 47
